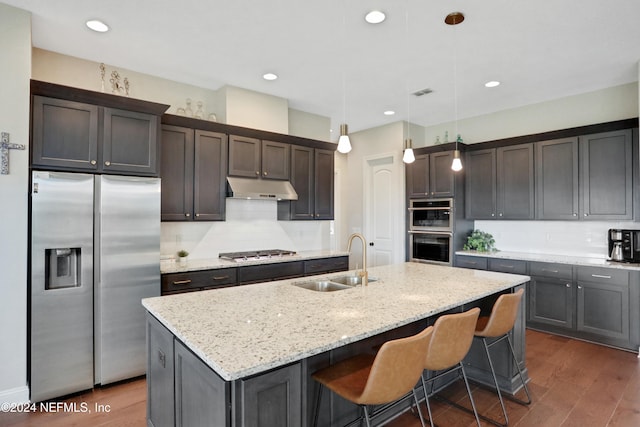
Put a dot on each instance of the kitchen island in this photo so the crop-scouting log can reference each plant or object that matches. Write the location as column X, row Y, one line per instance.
column 243, row 356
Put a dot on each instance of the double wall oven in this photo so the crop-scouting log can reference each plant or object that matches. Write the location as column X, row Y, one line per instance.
column 431, row 231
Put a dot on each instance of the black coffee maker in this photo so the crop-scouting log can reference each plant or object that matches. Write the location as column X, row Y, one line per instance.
column 624, row 245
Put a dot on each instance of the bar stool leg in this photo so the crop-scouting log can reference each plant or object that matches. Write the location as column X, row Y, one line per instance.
column 473, row 405
column 366, row 415
column 495, row 382
column 415, row 398
column 524, row 384
column 316, row 409
column 426, row 400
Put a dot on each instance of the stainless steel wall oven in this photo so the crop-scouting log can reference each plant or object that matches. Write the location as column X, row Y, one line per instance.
column 431, row 215
column 431, row 231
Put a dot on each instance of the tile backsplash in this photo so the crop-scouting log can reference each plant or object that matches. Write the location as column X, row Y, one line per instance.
column 250, row 224
column 578, row 238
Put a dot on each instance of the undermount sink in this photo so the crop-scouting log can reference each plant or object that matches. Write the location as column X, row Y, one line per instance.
column 321, row 286
column 350, row 280
column 332, row 284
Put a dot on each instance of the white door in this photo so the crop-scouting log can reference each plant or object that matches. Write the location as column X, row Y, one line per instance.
column 383, row 206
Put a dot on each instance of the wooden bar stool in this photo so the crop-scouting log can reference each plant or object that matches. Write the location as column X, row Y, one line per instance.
column 449, row 344
column 380, row 379
column 497, row 325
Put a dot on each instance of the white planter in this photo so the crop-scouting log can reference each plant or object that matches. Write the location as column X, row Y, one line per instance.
column 182, row 261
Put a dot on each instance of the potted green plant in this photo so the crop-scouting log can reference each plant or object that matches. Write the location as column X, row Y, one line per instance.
column 480, row 241
column 182, row 257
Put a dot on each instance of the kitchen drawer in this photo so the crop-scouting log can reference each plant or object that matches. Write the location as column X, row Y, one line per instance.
column 182, row 282
column 549, row 269
column 267, row 272
column 508, row 266
column 475, row 262
column 326, row 265
column 603, row 275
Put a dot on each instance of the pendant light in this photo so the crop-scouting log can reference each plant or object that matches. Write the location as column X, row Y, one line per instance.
column 408, row 156
column 455, row 18
column 344, row 143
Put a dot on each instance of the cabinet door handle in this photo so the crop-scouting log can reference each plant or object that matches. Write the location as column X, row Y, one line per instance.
column 568, row 285
column 575, row 214
column 257, row 172
column 506, row 266
column 107, row 163
column 187, row 215
column 550, row 271
column 264, row 173
column 601, row 276
column 197, row 215
column 220, row 277
column 586, row 214
column 579, row 287
column 93, row 162
column 181, row 282
column 500, row 214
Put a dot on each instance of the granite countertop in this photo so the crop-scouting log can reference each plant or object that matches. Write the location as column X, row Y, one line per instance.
column 245, row 330
column 172, row 266
column 560, row 259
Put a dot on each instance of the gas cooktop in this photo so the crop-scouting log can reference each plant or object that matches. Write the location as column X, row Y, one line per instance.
column 261, row 254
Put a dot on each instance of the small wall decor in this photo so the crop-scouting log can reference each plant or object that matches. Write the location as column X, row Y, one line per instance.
column 117, row 87
column 102, row 71
column 5, row 146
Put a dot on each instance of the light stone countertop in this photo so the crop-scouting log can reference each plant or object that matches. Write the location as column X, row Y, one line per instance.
column 244, row 330
column 560, row 259
column 172, row 266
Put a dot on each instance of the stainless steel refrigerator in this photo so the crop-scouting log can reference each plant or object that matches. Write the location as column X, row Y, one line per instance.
column 95, row 251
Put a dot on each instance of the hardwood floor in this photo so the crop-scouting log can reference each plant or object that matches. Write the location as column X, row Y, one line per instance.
column 573, row 383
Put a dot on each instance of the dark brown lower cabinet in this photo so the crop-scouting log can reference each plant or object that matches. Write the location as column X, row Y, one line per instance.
column 267, row 272
column 201, row 396
column 160, row 407
column 190, row 281
column 271, row 399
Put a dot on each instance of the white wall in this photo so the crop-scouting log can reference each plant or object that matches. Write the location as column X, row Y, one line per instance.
column 309, row 125
column 75, row 72
column 614, row 103
column 250, row 224
column 243, row 107
column 387, row 139
column 15, row 57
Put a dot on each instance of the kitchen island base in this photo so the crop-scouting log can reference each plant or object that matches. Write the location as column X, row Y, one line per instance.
column 184, row 391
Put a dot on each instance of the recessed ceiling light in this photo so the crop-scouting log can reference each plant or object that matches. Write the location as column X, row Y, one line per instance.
column 375, row 17
column 97, row 25
column 389, row 113
column 269, row 76
column 492, row 83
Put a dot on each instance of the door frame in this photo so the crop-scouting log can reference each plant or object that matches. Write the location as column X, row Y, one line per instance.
column 397, row 199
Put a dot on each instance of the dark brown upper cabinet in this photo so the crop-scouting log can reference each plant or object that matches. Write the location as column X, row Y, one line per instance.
column 312, row 172
column 255, row 158
column 500, row 183
column 193, row 174
column 557, row 179
column 606, row 161
column 78, row 130
column 430, row 175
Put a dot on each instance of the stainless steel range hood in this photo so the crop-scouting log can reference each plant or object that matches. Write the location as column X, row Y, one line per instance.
column 265, row 189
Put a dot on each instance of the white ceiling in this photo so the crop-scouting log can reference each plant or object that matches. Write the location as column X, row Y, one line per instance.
column 539, row 50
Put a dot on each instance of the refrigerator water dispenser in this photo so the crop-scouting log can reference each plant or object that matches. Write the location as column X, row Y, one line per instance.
column 62, row 268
